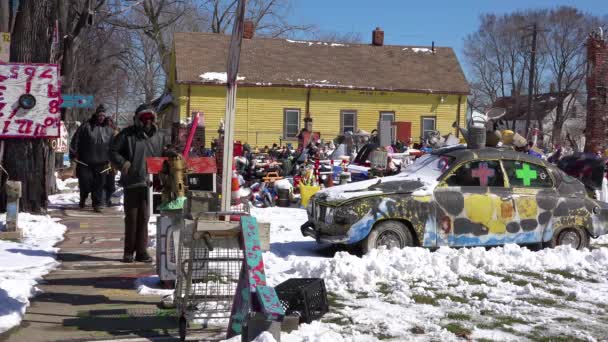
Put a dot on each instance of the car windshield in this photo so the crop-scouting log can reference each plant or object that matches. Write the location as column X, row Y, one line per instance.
column 430, row 165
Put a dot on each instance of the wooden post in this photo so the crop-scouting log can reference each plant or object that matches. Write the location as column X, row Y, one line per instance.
column 13, row 194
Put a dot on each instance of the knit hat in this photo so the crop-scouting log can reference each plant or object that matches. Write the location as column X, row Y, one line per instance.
column 100, row 109
column 144, row 109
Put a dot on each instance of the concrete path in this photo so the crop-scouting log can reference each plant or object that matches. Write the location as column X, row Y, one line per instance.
column 92, row 296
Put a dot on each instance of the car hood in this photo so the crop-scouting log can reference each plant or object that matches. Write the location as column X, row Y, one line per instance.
column 401, row 183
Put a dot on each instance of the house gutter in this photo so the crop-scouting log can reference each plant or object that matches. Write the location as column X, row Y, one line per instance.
column 274, row 85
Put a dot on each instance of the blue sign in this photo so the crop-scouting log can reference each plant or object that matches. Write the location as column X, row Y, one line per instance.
column 77, row 101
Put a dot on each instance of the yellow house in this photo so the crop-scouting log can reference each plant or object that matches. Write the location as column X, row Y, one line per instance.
column 341, row 87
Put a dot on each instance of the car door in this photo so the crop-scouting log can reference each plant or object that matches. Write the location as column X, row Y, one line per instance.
column 470, row 204
column 534, row 195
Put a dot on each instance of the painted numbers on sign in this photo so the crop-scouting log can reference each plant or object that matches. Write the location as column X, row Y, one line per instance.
column 29, row 101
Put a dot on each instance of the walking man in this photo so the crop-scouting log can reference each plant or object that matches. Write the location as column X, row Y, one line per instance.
column 128, row 152
column 90, row 148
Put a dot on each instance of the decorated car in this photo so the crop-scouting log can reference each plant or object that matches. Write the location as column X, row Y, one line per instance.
column 460, row 197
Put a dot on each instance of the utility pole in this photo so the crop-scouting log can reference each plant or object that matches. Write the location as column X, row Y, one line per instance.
column 531, row 80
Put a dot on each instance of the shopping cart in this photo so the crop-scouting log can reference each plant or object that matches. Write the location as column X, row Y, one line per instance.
column 209, row 264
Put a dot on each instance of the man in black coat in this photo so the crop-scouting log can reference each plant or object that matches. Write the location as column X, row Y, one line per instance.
column 128, row 152
column 90, row 147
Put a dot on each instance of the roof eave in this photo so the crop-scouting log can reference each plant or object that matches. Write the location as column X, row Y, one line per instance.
column 318, row 86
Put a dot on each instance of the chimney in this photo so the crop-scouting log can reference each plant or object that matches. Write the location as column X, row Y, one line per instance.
column 248, row 29
column 378, row 37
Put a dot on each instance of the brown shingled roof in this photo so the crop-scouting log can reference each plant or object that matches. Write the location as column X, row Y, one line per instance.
column 281, row 62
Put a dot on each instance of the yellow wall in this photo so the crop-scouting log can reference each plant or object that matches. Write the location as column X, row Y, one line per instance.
column 260, row 109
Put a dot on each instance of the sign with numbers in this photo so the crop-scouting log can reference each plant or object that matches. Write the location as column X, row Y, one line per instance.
column 29, row 101
column 5, row 46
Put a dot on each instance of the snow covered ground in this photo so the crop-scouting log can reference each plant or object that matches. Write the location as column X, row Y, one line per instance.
column 506, row 293
column 23, row 264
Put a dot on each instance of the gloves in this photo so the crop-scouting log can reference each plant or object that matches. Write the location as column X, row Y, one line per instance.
column 125, row 167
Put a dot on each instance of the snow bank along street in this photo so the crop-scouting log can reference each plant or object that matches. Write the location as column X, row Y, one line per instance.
column 23, row 264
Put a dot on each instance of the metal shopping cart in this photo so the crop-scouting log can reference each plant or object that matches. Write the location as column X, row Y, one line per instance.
column 209, row 264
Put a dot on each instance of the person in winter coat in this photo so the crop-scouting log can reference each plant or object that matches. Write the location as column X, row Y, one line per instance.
column 89, row 148
column 128, row 152
column 110, row 186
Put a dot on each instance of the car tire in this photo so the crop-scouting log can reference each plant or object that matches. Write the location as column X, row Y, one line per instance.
column 390, row 234
column 577, row 238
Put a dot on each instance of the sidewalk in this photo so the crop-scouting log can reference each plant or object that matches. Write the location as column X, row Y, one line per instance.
column 92, row 296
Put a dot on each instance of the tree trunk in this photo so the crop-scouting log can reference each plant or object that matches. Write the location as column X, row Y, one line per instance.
column 31, row 161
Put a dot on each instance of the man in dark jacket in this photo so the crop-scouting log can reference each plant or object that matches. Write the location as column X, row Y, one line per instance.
column 89, row 148
column 128, row 153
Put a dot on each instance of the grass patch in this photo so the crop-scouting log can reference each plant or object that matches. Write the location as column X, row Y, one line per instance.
column 571, row 297
column 560, row 338
column 496, row 274
column 458, row 316
column 334, row 302
column 571, row 276
column 508, row 320
column 422, row 299
column 484, row 340
column 472, row 281
column 361, row 295
column 564, row 319
column 541, row 301
column 458, row 330
column 530, row 274
column 518, row 282
column 384, row 288
column 166, row 313
column 480, row 295
column 557, row 292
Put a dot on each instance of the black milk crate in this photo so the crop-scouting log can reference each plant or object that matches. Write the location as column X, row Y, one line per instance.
column 305, row 297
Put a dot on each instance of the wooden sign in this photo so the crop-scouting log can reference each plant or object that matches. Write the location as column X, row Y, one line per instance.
column 29, row 101
column 60, row 145
column 5, row 46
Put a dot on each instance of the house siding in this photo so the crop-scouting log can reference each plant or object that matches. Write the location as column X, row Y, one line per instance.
column 260, row 110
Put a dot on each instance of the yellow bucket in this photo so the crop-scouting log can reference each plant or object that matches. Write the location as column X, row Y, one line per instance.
column 306, row 192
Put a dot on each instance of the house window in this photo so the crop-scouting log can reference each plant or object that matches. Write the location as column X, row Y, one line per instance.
column 291, row 123
column 427, row 125
column 348, row 121
column 389, row 116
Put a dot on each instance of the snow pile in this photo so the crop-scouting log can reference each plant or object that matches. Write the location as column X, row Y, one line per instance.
column 23, row 264
column 67, row 184
column 218, row 77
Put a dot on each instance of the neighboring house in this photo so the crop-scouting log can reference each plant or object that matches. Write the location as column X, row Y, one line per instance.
column 341, row 87
column 544, row 107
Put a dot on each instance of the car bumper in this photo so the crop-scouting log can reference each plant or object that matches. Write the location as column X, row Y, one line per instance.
column 309, row 229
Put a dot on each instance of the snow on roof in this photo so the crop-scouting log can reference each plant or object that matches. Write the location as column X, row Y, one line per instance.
column 314, row 43
column 220, row 77
column 418, row 50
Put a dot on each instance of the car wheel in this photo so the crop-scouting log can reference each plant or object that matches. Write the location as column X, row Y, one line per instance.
column 389, row 234
column 574, row 237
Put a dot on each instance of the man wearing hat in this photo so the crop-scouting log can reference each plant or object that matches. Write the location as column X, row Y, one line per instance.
column 89, row 148
column 128, row 152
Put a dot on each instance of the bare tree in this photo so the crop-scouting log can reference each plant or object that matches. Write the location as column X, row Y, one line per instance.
column 268, row 16
column 332, row 36
column 566, row 30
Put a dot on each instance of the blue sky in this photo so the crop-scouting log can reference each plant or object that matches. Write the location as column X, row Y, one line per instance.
column 418, row 22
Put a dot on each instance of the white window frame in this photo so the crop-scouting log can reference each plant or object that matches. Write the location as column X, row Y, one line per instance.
column 422, row 130
column 393, row 118
column 342, row 126
column 297, row 131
